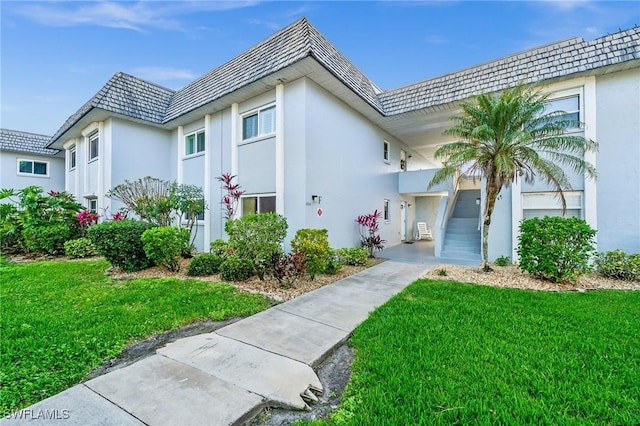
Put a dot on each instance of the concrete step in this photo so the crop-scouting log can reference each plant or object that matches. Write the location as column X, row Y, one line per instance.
column 460, row 255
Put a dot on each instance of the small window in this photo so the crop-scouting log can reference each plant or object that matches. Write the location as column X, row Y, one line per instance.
column 541, row 204
column 258, row 204
column 194, row 143
column 403, row 160
column 72, row 158
column 94, row 146
column 259, row 123
column 92, row 204
column 385, row 155
column 189, row 215
column 385, row 211
column 30, row 167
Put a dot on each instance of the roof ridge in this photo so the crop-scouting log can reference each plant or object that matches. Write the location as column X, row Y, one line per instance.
column 151, row 83
column 2, row 129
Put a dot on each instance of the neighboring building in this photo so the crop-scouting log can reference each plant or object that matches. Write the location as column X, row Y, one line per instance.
column 311, row 137
column 25, row 161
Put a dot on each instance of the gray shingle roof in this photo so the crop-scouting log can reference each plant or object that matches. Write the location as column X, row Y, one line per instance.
column 282, row 49
column 547, row 62
column 138, row 99
column 32, row 143
column 126, row 95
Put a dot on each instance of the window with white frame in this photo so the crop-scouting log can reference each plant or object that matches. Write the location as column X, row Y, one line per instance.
column 385, row 151
column 385, row 210
column 403, row 160
column 259, row 123
column 540, row 204
column 72, row 158
column 258, row 204
column 92, row 204
column 194, row 143
column 570, row 105
column 94, row 146
column 33, row 168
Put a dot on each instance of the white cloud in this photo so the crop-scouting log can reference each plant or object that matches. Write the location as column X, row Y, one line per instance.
column 436, row 39
column 156, row 74
column 567, row 5
column 136, row 16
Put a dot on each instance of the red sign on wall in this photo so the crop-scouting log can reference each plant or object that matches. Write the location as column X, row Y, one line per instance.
column 319, row 212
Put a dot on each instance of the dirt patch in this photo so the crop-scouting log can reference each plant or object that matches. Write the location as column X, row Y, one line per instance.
column 334, row 374
column 511, row 276
column 269, row 287
column 147, row 347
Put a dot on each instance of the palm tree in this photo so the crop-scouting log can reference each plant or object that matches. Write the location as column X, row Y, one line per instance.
column 508, row 136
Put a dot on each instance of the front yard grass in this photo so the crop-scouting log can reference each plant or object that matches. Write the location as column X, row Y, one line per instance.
column 451, row 353
column 61, row 320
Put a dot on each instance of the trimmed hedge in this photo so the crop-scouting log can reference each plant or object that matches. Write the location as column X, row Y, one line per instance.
column 120, row 242
column 236, row 269
column 79, row 248
column 48, row 239
column 165, row 244
column 204, row 264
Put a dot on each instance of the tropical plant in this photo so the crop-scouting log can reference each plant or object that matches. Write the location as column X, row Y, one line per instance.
column 511, row 135
column 314, row 246
column 369, row 226
column 231, row 199
column 164, row 245
column 148, row 197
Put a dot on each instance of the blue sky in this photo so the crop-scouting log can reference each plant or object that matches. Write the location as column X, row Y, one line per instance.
column 57, row 54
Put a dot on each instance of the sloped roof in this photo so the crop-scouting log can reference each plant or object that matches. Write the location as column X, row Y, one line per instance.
column 282, row 49
column 127, row 95
column 32, row 143
column 543, row 63
column 139, row 99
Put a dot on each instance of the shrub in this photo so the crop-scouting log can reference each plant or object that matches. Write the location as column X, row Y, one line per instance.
column 120, row 243
column 287, row 269
column 355, row 256
column 48, row 239
column 221, row 249
column 314, row 244
column 442, row 272
column 204, row 264
column 257, row 238
column 164, row 245
column 78, row 248
column 503, row 261
column 236, row 269
column 335, row 262
column 368, row 226
column 556, row 248
column 616, row 264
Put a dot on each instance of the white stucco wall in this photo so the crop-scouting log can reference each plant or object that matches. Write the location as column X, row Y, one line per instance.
column 9, row 177
column 618, row 161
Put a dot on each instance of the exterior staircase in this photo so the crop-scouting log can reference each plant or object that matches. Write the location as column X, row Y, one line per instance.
column 462, row 238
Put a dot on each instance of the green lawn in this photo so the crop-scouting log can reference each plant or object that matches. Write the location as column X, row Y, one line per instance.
column 60, row 320
column 451, row 353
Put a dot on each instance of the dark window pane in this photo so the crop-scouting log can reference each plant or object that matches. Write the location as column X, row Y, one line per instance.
column 39, row 168
column 26, row 167
column 267, row 204
column 200, row 142
column 250, row 127
column 249, row 205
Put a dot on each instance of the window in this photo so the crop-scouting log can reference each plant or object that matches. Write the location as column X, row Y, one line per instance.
column 189, row 215
column 30, row 167
column 94, row 146
column 385, row 211
column 258, row 204
column 540, row 204
column 194, row 143
column 385, row 148
column 570, row 106
column 92, row 204
column 403, row 160
column 260, row 123
column 72, row 158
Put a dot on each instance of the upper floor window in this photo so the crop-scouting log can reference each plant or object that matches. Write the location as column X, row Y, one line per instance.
column 31, row 167
column 259, row 123
column 385, row 151
column 72, row 158
column 569, row 105
column 194, row 143
column 94, row 146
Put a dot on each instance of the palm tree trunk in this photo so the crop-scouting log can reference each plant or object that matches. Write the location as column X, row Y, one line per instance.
column 489, row 205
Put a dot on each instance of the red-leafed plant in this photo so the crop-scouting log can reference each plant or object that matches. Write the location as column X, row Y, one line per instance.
column 231, row 199
column 369, row 227
column 86, row 219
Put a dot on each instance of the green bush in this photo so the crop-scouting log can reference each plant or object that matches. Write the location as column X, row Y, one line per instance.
column 355, row 256
column 221, row 249
column 616, row 264
column 503, row 261
column 335, row 262
column 78, row 248
column 165, row 245
column 48, row 238
column 120, row 242
column 236, row 269
column 287, row 269
column 204, row 264
column 257, row 238
column 555, row 248
column 314, row 243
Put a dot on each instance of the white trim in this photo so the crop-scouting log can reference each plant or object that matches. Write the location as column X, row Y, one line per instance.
column 32, row 161
column 234, row 138
column 386, row 146
column 102, row 181
column 257, row 111
column 590, row 213
column 207, row 180
column 279, row 105
column 180, row 169
column 96, row 135
column 195, row 153
column 516, row 216
column 91, row 128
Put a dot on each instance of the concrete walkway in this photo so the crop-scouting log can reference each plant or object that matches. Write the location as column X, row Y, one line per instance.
column 228, row 376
